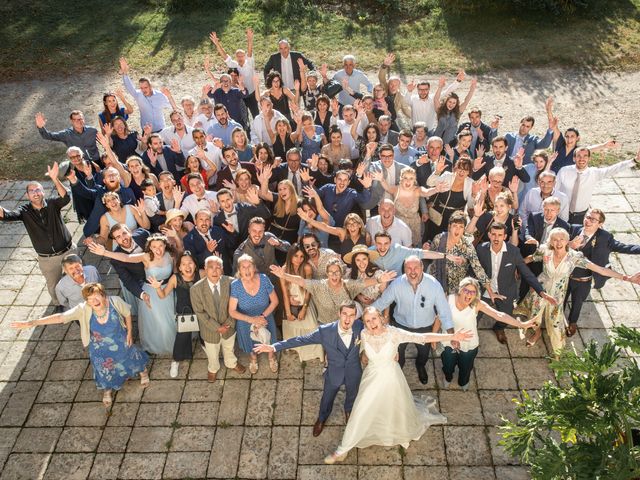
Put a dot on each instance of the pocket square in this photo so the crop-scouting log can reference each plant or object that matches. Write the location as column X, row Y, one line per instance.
column 508, row 264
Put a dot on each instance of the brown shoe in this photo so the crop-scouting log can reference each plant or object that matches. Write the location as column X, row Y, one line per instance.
column 572, row 329
column 317, row 427
column 346, row 417
column 239, row 368
column 211, row 377
column 501, row 336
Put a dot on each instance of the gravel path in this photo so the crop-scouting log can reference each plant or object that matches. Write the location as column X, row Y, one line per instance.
column 579, row 95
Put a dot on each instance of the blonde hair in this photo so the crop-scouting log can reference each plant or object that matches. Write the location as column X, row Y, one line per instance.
column 290, row 207
column 557, row 232
column 475, row 284
column 355, row 218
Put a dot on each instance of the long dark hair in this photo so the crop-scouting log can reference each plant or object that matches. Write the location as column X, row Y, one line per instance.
column 442, row 109
column 369, row 271
column 107, row 114
column 288, row 266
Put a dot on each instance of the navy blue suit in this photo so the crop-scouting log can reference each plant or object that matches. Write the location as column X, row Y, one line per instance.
column 511, row 261
column 195, row 243
column 245, row 212
column 132, row 275
column 173, row 160
column 597, row 250
column 344, row 363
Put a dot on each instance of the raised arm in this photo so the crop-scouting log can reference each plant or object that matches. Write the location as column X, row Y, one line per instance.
column 99, row 250
column 280, row 273
column 339, row 232
column 52, row 173
column 216, row 41
column 502, row 317
column 128, row 108
column 467, row 99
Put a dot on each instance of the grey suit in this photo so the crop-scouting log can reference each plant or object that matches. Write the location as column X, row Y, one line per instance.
column 212, row 316
column 377, row 192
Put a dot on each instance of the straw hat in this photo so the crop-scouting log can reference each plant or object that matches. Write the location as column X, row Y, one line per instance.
column 174, row 213
column 373, row 255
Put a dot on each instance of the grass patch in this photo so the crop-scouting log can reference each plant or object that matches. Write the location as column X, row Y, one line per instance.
column 52, row 38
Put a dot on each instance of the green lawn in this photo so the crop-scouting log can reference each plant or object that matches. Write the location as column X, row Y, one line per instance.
column 59, row 37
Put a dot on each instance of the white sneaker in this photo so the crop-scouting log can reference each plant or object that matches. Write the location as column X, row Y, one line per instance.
column 173, row 373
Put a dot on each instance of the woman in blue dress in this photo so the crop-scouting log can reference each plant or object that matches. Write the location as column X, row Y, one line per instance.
column 105, row 327
column 112, row 109
column 156, row 321
column 253, row 300
column 310, row 137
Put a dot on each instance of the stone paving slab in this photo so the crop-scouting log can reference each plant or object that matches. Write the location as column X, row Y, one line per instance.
column 53, row 425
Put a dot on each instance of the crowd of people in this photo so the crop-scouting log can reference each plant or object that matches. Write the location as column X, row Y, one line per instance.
column 290, row 211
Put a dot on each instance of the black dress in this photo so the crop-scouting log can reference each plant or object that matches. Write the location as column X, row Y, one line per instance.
column 347, row 245
column 182, row 347
column 124, row 148
column 280, row 148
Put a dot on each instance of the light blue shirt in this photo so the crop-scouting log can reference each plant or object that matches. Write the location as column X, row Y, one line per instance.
column 356, row 79
column 396, row 256
column 223, row 133
column 416, row 309
column 150, row 107
column 406, row 158
column 532, row 203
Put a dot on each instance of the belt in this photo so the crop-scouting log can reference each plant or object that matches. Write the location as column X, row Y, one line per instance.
column 48, row 255
column 581, row 279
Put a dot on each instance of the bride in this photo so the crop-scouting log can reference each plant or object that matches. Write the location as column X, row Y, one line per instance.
column 385, row 412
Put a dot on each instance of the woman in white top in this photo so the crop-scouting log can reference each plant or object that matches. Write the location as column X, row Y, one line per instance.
column 465, row 306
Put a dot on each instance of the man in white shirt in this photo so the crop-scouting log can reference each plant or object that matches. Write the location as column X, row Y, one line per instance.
column 199, row 198
column 532, row 202
column 258, row 127
column 244, row 64
column 205, row 119
column 345, row 125
column 178, row 131
column 422, row 106
column 386, row 221
column 209, row 154
column 579, row 181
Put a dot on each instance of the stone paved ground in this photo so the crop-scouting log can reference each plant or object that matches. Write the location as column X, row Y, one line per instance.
column 53, row 425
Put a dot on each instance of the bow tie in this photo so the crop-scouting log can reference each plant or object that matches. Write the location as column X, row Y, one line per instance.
column 232, row 214
column 259, row 246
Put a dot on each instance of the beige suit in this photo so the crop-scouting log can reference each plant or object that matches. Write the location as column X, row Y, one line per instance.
column 211, row 316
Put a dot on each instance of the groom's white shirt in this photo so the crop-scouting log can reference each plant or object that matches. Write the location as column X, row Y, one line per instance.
column 345, row 336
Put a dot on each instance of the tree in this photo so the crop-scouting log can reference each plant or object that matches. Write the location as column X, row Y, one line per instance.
column 583, row 428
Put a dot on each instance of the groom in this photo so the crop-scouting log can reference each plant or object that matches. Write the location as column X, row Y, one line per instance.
column 339, row 340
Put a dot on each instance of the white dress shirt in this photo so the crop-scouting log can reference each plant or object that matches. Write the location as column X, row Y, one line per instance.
column 206, row 122
column 424, row 110
column 186, row 142
column 214, row 154
column 532, row 203
column 191, row 204
column 287, row 71
column 214, row 286
column 399, row 230
column 246, row 71
column 345, row 336
column 590, row 177
column 259, row 129
column 496, row 260
column 347, row 139
column 232, row 219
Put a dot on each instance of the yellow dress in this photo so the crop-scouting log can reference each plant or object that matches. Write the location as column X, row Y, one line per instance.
column 305, row 326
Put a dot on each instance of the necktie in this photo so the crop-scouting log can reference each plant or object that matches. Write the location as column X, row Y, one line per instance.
column 216, row 295
column 574, row 193
column 207, row 237
column 295, row 180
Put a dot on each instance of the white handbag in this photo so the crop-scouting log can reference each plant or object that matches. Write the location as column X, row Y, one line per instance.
column 187, row 322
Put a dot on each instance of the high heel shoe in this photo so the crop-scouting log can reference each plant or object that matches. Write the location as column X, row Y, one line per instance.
column 334, row 457
column 533, row 339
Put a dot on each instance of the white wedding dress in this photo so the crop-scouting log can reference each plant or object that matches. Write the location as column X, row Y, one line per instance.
column 385, row 412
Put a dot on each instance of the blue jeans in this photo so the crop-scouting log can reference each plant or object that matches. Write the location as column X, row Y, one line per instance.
column 464, row 361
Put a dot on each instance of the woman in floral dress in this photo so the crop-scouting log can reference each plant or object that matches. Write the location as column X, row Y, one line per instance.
column 559, row 260
column 106, row 328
